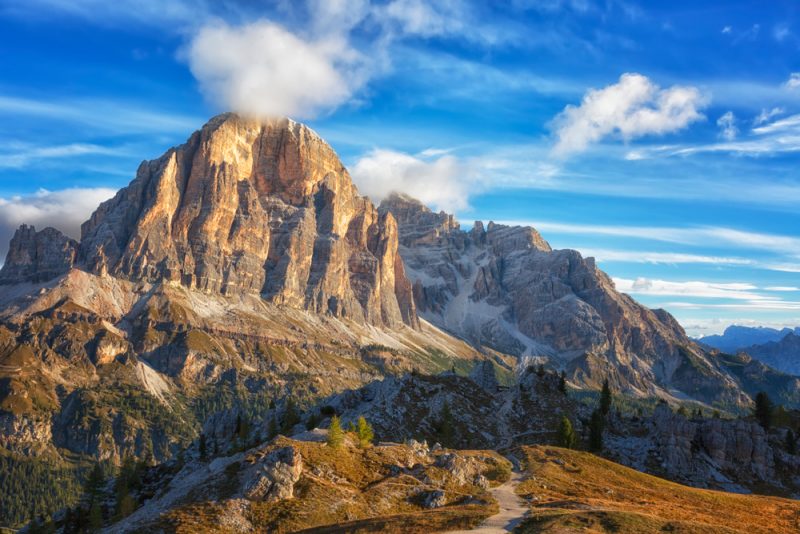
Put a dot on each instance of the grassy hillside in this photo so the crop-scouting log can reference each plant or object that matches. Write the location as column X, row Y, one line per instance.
column 572, row 491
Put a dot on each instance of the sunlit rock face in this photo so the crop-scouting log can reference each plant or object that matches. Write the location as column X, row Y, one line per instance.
column 251, row 206
column 504, row 287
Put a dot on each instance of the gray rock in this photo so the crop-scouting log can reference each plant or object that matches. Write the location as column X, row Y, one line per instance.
column 483, row 374
column 37, row 256
column 504, row 287
column 434, row 499
column 273, row 477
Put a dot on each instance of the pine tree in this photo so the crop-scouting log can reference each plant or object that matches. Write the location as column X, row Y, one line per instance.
column 605, row 398
column 95, row 517
column 290, row 416
column 682, row 411
column 335, row 433
column 244, row 431
column 272, row 430
column 562, row 382
column 763, row 410
column 566, row 433
column 129, row 479
column 93, row 486
column 201, row 447
column 364, row 433
column 238, row 428
column 791, row 442
column 446, row 426
column 596, row 427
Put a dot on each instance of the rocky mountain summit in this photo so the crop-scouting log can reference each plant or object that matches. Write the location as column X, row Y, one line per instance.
column 238, row 269
column 37, row 256
column 243, row 207
column 504, row 287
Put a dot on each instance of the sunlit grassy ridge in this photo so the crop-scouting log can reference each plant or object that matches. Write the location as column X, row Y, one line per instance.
column 572, row 491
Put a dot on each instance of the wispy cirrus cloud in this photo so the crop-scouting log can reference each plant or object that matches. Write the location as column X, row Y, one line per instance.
column 669, row 258
column 115, row 116
column 20, row 156
column 698, row 235
column 693, row 288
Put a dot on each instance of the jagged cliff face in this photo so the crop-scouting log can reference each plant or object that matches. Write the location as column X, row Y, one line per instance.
column 254, row 207
column 238, row 268
column 504, row 287
column 37, row 256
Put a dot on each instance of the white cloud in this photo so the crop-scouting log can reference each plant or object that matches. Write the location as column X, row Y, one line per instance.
column 755, row 305
column 416, row 17
column 727, row 29
column 781, row 32
column 265, row 70
column 637, row 256
column 767, row 115
column 782, row 288
column 106, row 115
column 27, row 155
column 633, row 107
column 695, row 236
column 65, row 210
column 727, row 125
column 697, row 289
column 793, row 82
column 443, row 183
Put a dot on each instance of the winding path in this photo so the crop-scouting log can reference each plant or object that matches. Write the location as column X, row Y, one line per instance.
column 512, row 508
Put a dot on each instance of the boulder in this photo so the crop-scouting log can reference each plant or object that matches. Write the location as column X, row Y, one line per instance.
column 273, row 477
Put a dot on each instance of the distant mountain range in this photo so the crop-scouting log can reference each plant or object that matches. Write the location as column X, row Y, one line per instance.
column 739, row 337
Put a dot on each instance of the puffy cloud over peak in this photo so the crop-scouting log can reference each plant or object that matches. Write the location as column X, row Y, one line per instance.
column 631, row 108
column 264, row 69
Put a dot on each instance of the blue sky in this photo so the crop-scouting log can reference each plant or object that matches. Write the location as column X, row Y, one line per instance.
column 662, row 138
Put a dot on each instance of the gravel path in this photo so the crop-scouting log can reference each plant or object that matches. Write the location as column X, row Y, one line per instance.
column 512, row 508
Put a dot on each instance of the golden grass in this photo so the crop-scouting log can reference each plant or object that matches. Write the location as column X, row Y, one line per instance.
column 581, row 492
column 348, row 490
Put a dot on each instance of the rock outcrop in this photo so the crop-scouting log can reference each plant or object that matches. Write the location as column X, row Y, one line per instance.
column 273, row 477
column 255, row 207
column 505, row 288
column 37, row 256
column 485, row 376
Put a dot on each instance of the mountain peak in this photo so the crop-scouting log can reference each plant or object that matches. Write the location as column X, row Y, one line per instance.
column 245, row 206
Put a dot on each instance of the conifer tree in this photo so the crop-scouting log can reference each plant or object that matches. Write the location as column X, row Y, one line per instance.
column 201, row 447
column 566, row 433
column 290, row 416
column 562, row 382
column 272, row 430
column 335, row 433
column 364, row 433
column 605, row 398
column 95, row 517
column 446, row 426
column 791, row 442
column 93, row 486
column 763, row 410
column 596, row 427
